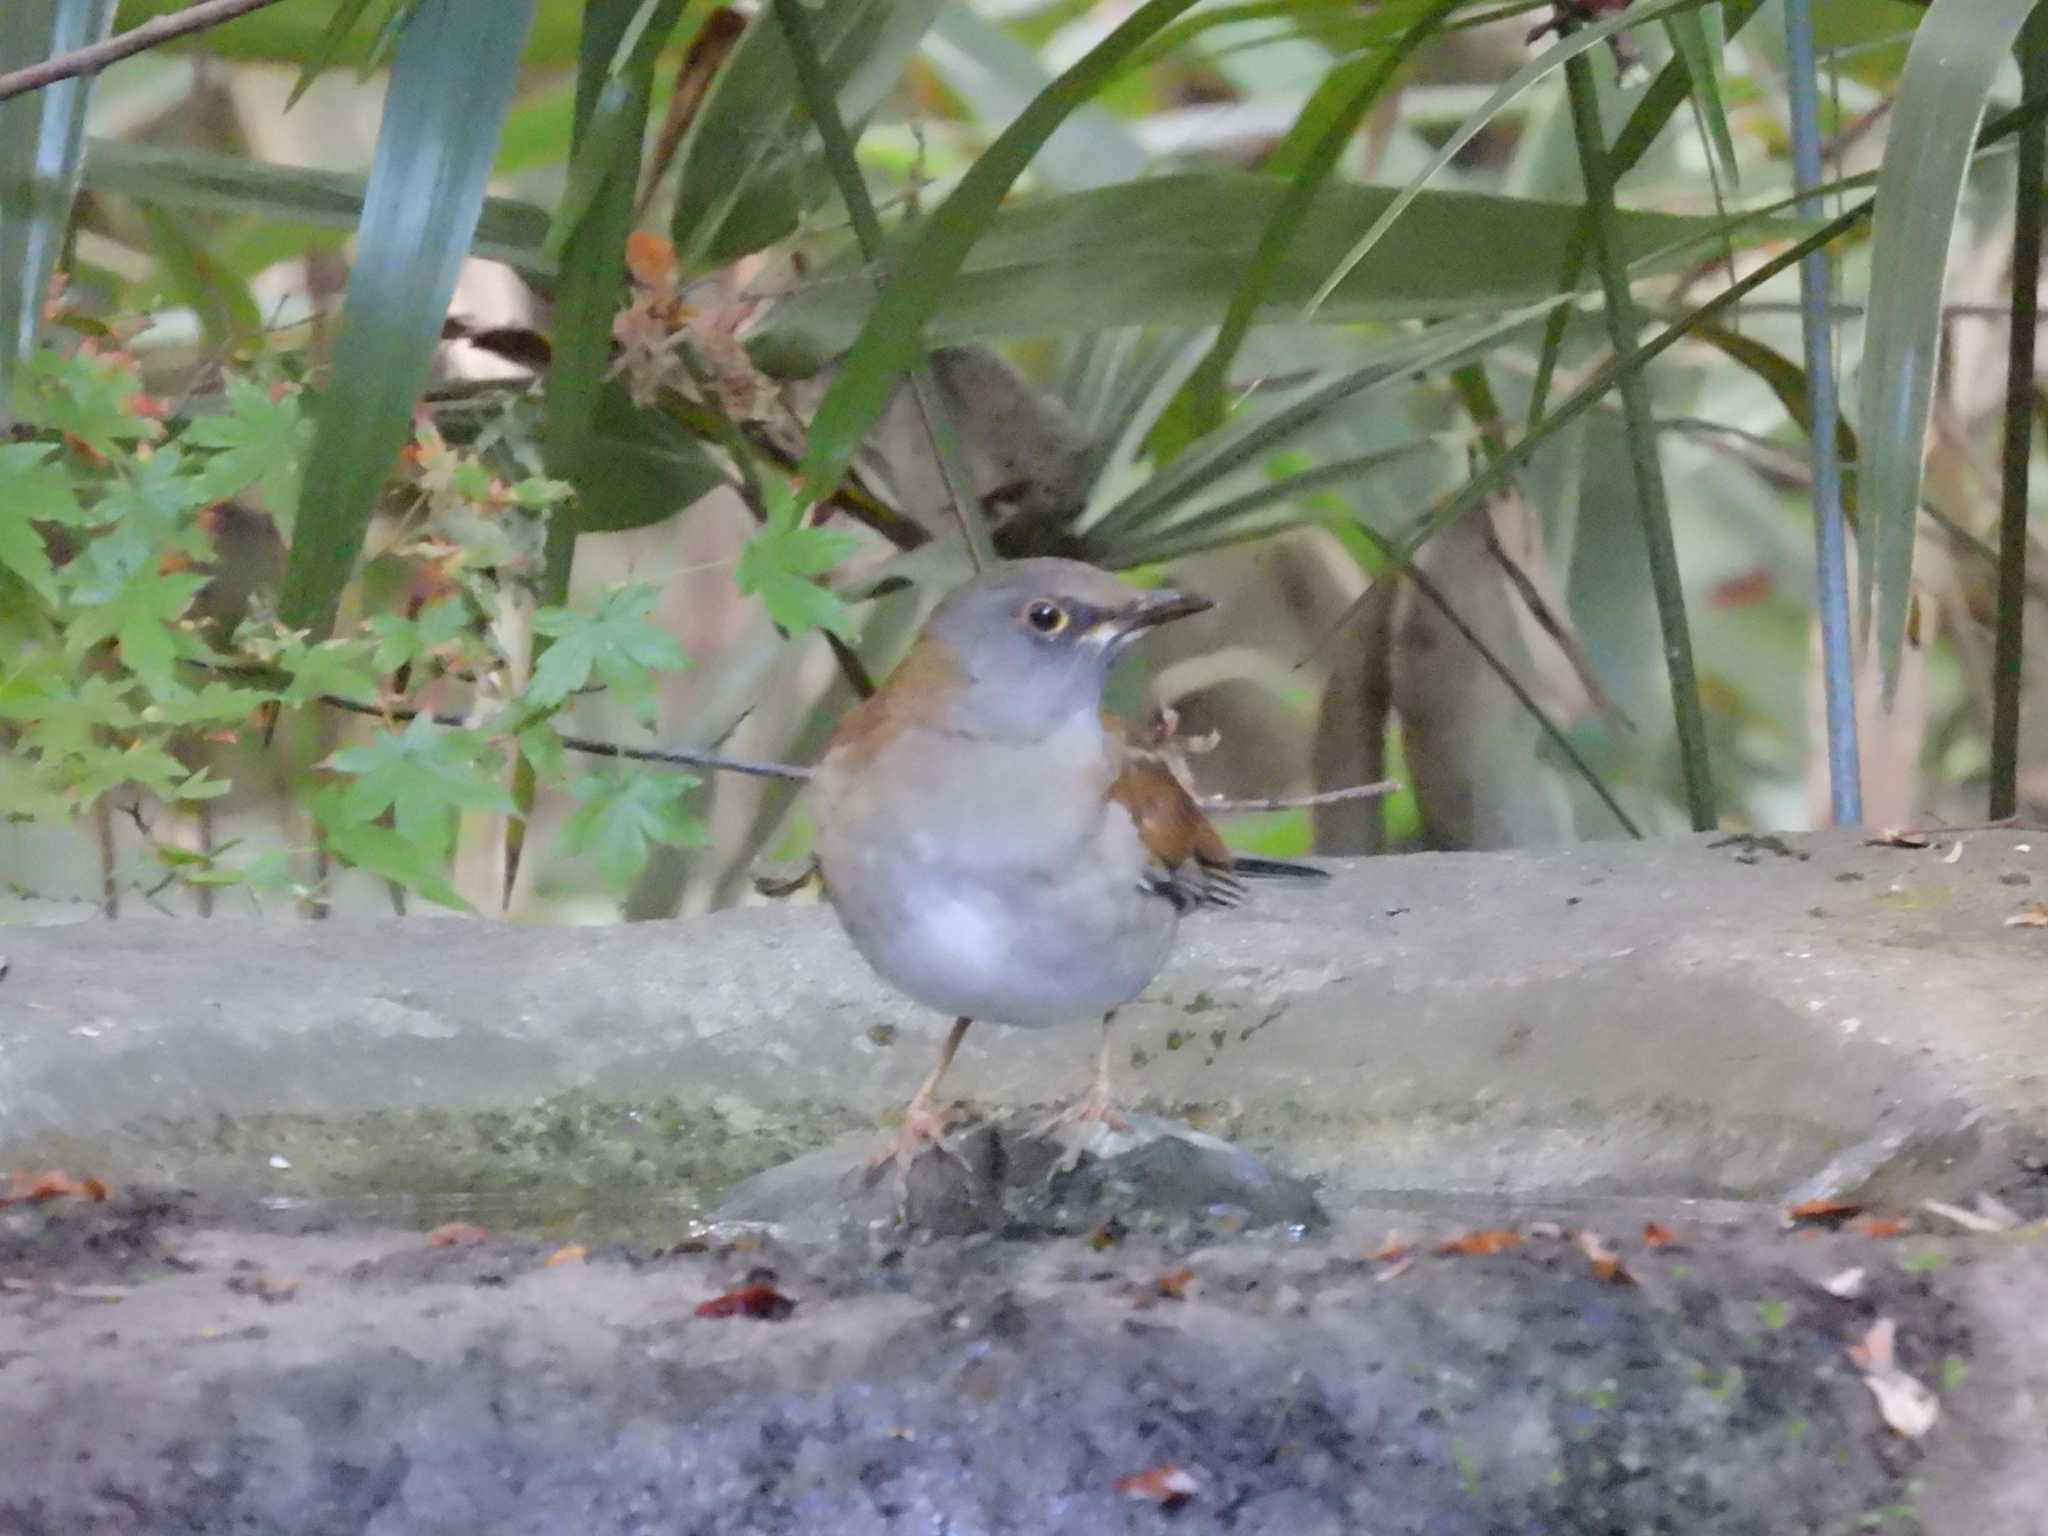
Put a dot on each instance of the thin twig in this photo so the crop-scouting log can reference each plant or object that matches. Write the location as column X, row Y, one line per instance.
column 1234, row 806
column 675, row 757
column 151, row 34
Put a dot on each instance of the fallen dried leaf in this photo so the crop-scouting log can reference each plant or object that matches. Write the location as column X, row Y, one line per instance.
column 32, row 1188
column 1173, row 1285
column 457, row 1234
column 1167, row 1486
column 1848, row 1285
column 2033, row 915
column 759, row 1300
column 1880, row 1226
column 1395, row 1269
column 1606, row 1262
column 1477, row 1243
column 1893, row 837
column 1390, row 1250
column 1969, row 1221
column 1908, row 1406
column 1954, row 854
column 571, row 1253
column 1822, row 1213
column 264, row 1288
column 1657, row 1235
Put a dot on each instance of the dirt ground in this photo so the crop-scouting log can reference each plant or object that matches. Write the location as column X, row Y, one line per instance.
column 160, row 1371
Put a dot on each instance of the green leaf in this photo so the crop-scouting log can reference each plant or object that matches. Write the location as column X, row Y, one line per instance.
column 215, row 704
column 1168, row 251
column 140, row 618
column 340, row 668
column 619, row 815
column 455, row 70
column 507, row 230
column 36, row 491
column 216, row 294
column 893, row 339
column 149, row 510
column 1311, row 151
column 743, row 166
column 1956, row 57
column 780, row 565
column 1696, row 37
column 42, row 137
column 616, row 644
column 385, row 853
column 422, row 775
column 259, row 441
column 589, row 237
column 86, row 395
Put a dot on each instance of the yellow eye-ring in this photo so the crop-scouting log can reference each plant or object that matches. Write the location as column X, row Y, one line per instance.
column 1046, row 617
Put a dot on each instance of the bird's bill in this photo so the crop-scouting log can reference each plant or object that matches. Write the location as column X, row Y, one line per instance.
column 1160, row 606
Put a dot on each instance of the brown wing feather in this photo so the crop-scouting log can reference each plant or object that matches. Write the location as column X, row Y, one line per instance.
column 1192, row 862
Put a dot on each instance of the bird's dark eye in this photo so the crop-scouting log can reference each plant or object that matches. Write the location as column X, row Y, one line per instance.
column 1047, row 618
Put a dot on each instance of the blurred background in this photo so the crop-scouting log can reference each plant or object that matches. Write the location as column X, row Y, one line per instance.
column 1311, row 306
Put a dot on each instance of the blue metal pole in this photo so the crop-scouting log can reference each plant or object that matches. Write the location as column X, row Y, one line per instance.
column 1845, row 787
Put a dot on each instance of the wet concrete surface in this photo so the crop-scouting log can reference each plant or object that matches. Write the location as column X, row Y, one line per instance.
column 1661, row 1048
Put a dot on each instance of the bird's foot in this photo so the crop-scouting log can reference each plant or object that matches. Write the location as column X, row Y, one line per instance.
column 925, row 1123
column 1093, row 1108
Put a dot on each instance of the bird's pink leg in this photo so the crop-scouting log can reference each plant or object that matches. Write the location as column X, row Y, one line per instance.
column 925, row 1120
column 1097, row 1106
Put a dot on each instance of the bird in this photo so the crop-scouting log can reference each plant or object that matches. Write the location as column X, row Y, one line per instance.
column 996, row 845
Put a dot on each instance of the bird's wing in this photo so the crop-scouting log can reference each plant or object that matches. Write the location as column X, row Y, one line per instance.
column 1191, row 866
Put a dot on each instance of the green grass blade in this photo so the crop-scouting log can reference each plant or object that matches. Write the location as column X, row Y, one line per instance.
column 1168, row 251
column 1666, row 582
column 612, row 97
column 451, row 79
column 747, row 167
column 1568, row 47
column 891, row 340
column 1312, row 149
column 507, row 230
column 1696, row 39
column 2021, row 397
column 42, row 142
column 1954, row 61
column 1667, row 93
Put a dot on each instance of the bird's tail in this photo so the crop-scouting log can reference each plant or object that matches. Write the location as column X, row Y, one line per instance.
column 1275, row 869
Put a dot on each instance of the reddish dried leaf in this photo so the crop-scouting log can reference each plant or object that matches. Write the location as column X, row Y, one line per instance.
column 651, row 258
column 1823, row 1213
column 1167, row 1486
column 1605, row 1261
column 1471, row 1243
column 94, row 1190
column 1880, row 1226
column 457, row 1234
column 1173, row 1285
column 1657, row 1235
column 34, row 1187
column 1390, row 1251
column 572, row 1253
column 759, row 1300
column 2033, row 915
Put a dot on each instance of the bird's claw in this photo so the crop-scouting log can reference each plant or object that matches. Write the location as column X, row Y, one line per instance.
column 1093, row 1108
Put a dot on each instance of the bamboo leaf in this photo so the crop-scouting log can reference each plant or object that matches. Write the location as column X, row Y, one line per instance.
column 892, row 339
column 612, row 96
column 450, row 82
column 1312, row 149
column 507, row 230
column 749, row 168
column 42, row 138
column 1955, row 58
column 1168, row 251
column 1697, row 40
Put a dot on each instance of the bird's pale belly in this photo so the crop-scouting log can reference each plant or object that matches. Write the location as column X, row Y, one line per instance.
column 1037, row 952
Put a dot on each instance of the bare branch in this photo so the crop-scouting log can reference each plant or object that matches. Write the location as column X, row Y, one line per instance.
column 1297, row 802
column 151, row 34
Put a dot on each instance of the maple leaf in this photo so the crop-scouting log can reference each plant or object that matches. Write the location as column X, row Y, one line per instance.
column 620, row 814
column 780, row 563
column 140, row 618
column 257, row 441
column 38, row 491
column 422, row 775
column 616, row 644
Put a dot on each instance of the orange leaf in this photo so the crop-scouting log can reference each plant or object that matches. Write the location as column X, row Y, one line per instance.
column 572, row 1253
column 651, row 258
column 457, row 1234
column 1168, row 1486
column 1657, row 1235
column 1605, row 1261
column 759, row 1300
column 1497, row 1241
column 1173, row 1285
column 2033, row 915
column 1390, row 1250
column 1823, row 1213
column 1880, row 1226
